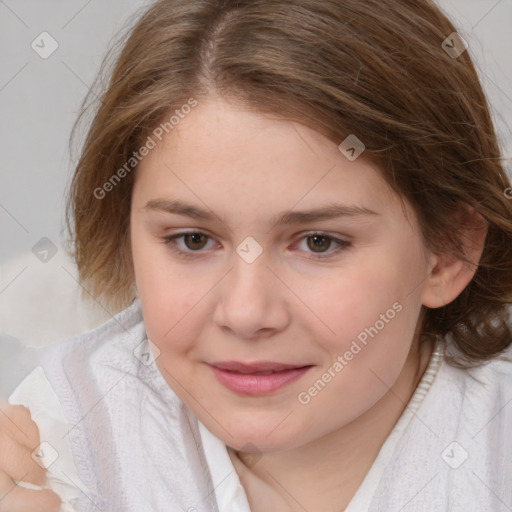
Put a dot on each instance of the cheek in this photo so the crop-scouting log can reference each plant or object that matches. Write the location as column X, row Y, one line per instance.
column 169, row 315
column 370, row 312
column 166, row 296
column 365, row 360
column 355, row 301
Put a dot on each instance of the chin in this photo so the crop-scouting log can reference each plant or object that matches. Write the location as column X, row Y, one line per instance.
column 252, row 436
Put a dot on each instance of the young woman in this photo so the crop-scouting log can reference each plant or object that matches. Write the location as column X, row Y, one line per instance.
column 301, row 209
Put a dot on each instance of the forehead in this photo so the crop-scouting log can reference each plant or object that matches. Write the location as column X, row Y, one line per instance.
column 247, row 158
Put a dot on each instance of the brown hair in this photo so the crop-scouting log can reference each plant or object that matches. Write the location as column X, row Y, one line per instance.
column 373, row 68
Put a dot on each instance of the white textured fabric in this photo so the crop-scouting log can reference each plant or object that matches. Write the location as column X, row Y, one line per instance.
column 229, row 492
column 137, row 447
column 364, row 495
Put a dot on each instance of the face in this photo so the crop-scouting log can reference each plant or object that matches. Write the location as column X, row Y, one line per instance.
column 328, row 303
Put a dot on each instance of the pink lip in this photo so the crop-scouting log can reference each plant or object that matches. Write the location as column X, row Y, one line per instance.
column 244, row 379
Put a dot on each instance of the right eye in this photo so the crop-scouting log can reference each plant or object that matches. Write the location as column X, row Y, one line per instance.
column 194, row 242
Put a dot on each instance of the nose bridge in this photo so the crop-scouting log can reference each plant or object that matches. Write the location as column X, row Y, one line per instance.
column 250, row 274
column 250, row 298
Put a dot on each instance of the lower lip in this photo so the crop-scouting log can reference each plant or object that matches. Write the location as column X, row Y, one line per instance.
column 257, row 385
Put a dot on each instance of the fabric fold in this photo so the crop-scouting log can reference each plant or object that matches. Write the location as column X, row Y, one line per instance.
column 54, row 452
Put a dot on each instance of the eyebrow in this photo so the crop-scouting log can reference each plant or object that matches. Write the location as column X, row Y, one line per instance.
column 330, row 211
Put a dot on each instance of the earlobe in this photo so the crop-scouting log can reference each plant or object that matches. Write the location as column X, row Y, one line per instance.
column 449, row 275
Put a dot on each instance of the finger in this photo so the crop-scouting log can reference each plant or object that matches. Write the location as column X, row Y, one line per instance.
column 15, row 420
column 14, row 498
column 17, row 462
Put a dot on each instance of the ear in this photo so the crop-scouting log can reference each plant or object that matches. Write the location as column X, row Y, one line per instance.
column 449, row 275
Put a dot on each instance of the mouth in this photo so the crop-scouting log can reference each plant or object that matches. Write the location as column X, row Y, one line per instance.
column 257, row 379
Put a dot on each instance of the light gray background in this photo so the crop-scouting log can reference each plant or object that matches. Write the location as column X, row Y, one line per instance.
column 39, row 99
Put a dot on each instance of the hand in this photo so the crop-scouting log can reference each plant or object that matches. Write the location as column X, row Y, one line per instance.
column 19, row 436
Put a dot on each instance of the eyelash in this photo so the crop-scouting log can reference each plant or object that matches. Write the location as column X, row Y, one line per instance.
column 169, row 241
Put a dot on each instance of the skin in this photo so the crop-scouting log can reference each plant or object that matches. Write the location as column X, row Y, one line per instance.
column 289, row 305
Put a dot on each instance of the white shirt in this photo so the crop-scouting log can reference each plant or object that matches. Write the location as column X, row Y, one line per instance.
column 125, row 441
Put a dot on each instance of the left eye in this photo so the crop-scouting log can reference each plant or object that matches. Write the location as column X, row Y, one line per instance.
column 195, row 241
column 322, row 241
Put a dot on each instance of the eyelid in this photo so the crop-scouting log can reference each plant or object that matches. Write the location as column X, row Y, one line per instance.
column 342, row 244
column 169, row 242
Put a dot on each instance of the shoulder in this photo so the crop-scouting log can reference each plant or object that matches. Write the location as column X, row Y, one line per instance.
column 490, row 378
column 459, row 439
column 88, row 389
column 113, row 344
column 80, row 355
column 473, row 403
column 78, row 369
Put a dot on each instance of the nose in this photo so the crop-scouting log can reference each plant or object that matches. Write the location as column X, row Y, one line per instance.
column 253, row 300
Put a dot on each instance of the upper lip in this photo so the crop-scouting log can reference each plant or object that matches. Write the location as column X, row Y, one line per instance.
column 263, row 366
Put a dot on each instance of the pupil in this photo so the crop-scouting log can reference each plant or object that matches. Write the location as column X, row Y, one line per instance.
column 317, row 238
column 194, row 236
